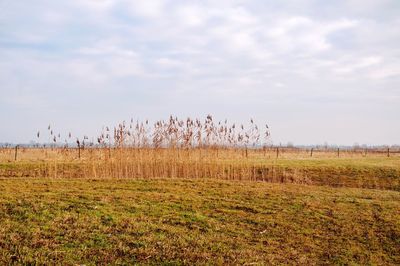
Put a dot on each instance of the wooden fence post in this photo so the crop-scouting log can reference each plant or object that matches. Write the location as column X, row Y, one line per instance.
column 277, row 152
column 338, row 152
column 311, row 151
column 388, row 152
column 16, row 152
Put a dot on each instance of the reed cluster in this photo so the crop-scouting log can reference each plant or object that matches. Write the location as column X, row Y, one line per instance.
column 189, row 148
column 166, row 148
column 171, row 133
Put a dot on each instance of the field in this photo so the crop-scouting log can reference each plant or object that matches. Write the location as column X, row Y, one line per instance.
column 161, row 132
column 350, row 169
column 176, row 221
column 198, row 206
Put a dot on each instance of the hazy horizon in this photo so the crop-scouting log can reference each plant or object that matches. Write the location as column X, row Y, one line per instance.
column 314, row 71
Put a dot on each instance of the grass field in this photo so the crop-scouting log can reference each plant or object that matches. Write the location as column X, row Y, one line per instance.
column 198, row 206
column 186, row 221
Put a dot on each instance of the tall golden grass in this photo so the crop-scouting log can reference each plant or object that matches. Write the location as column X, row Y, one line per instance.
column 188, row 148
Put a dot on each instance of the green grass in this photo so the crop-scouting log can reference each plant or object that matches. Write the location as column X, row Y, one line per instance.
column 186, row 221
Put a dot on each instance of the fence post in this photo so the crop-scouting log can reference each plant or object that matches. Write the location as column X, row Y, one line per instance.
column 311, row 151
column 388, row 152
column 16, row 152
column 277, row 152
column 79, row 151
column 338, row 152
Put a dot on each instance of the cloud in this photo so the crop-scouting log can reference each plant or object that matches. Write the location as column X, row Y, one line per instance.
column 147, row 9
column 192, row 15
column 362, row 63
column 254, row 57
column 95, row 6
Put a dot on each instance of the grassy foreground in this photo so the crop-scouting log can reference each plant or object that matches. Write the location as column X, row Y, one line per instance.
column 186, row 221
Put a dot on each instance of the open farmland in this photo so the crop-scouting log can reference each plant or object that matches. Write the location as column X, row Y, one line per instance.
column 203, row 221
column 203, row 206
column 160, row 132
column 191, row 193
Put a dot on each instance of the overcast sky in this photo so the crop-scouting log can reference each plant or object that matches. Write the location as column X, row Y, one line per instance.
column 315, row 71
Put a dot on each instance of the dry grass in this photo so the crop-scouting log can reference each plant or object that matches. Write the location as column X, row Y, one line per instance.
column 186, row 222
column 193, row 148
column 218, row 162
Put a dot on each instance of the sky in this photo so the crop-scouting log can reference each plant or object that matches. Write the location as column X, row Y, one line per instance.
column 315, row 71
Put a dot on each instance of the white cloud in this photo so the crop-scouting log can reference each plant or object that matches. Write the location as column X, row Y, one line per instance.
column 96, row 5
column 148, row 9
column 105, row 49
column 251, row 55
column 389, row 71
column 192, row 15
column 168, row 62
column 351, row 67
column 304, row 34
